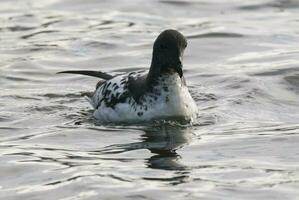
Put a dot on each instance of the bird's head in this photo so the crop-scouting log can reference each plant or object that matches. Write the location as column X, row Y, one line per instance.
column 168, row 52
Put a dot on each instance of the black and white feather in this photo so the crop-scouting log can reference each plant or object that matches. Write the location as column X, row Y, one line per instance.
column 143, row 95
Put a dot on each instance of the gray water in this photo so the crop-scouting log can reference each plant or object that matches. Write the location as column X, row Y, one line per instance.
column 242, row 68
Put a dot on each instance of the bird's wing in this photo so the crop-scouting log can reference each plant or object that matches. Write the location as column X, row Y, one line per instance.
column 137, row 86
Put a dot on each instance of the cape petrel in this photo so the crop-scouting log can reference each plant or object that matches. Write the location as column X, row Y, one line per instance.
column 157, row 93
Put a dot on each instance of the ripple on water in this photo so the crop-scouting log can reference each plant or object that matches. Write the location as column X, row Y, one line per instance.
column 293, row 80
column 241, row 67
column 215, row 35
column 281, row 4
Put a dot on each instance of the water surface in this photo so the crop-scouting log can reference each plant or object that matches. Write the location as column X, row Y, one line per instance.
column 241, row 66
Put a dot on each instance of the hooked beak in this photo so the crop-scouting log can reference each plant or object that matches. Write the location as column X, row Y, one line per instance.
column 179, row 67
column 173, row 66
column 179, row 70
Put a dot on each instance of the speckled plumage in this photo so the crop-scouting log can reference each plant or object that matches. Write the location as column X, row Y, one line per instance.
column 138, row 96
column 168, row 97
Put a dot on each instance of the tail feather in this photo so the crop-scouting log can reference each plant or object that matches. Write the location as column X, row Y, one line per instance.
column 98, row 74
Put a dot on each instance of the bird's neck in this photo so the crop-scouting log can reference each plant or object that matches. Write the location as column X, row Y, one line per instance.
column 154, row 71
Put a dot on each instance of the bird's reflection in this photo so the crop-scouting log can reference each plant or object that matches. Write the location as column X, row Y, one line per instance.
column 162, row 141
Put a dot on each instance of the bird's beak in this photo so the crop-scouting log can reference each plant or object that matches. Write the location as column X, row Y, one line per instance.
column 174, row 65
column 179, row 70
column 179, row 67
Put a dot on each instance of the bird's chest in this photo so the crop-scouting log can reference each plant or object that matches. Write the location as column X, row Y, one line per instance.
column 170, row 96
column 167, row 89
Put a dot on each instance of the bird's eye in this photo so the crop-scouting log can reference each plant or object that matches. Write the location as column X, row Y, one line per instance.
column 185, row 45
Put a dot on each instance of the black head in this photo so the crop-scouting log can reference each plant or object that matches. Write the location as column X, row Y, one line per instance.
column 168, row 53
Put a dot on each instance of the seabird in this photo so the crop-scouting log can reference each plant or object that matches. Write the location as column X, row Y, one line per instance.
column 160, row 93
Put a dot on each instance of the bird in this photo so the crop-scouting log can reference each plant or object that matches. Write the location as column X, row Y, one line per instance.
column 145, row 95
